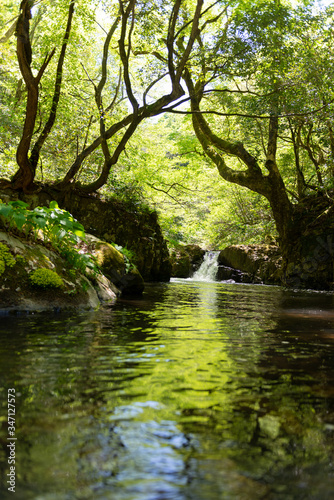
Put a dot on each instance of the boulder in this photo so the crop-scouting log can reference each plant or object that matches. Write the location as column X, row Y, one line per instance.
column 185, row 260
column 115, row 266
column 36, row 278
column 225, row 273
column 261, row 263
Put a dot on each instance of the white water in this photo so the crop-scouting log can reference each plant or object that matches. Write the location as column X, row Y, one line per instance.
column 208, row 268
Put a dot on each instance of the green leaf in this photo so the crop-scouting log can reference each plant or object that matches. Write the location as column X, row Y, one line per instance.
column 18, row 203
column 5, row 210
column 39, row 221
column 80, row 233
column 19, row 219
column 42, row 212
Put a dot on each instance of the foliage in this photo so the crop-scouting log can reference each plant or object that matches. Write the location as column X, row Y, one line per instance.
column 45, row 278
column 54, row 225
column 6, row 258
column 263, row 70
column 98, row 90
column 164, row 164
column 128, row 255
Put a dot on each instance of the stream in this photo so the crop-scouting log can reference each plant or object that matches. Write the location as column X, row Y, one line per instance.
column 199, row 390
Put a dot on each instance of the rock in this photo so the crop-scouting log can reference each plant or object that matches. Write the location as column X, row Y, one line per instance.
column 19, row 292
column 131, row 227
column 310, row 262
column 114, row 266
column 186, row 260
column 106, row 291
column 225, row 273
column 261, row 263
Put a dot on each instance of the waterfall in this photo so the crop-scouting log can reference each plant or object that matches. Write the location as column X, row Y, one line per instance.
column 208, row 268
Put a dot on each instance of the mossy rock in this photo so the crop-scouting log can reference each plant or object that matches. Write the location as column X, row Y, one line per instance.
column 109, row 258
column 185, row 260
column 35, row 278
column 114, row 266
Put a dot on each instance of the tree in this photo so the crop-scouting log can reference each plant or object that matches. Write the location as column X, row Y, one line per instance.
column 24, row 177
column 133, row 44
column 261, row 109
column 255, row 71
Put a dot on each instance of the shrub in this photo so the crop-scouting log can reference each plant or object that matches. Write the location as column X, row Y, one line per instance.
column 55, row 225
column 6, row 258
column 45, row 278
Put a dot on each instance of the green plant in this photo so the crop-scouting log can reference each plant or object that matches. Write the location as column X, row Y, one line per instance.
column 84, row 285
column 53, row 225
column 128, row 255
column 6, row 258
column 20, row 259
column 72, row 274
column 45, row 278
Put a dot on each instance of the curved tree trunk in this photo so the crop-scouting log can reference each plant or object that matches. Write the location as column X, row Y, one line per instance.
column 271, row 185
column 306, row 230
column 24, row 177
column 35, row 152
column 176, row 67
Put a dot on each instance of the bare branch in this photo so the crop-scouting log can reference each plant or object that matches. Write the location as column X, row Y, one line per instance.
column 45, row 64
column 87, row 132
column 9, row 32
column 113, row 102
column 192, row 38
column 125, row 54
column 243, row 115
column 152, row 85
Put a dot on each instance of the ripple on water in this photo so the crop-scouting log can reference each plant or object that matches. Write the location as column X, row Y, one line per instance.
column 199, row 391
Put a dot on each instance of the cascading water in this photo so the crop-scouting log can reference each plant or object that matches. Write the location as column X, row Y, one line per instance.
column 208, row 268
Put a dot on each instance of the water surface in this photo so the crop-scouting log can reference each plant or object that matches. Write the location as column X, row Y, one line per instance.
column 197, row 391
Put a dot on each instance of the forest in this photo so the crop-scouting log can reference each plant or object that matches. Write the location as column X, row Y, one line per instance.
column 216, row 114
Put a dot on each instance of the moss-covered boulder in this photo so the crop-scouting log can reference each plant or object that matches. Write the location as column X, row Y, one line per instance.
column 116, row 267
column 185, row 260
column 35, row 278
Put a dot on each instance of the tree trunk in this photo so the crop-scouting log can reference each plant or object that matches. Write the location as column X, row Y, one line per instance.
column 24, row 177
column 271, row 186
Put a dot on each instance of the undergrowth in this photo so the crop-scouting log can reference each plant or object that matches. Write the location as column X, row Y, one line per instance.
column 52, row 225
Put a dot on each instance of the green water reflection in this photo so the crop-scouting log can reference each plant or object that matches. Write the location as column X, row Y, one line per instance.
column 198, row 391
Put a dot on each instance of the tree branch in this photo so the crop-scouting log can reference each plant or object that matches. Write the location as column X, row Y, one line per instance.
column 34, row 157
column 125, row 54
